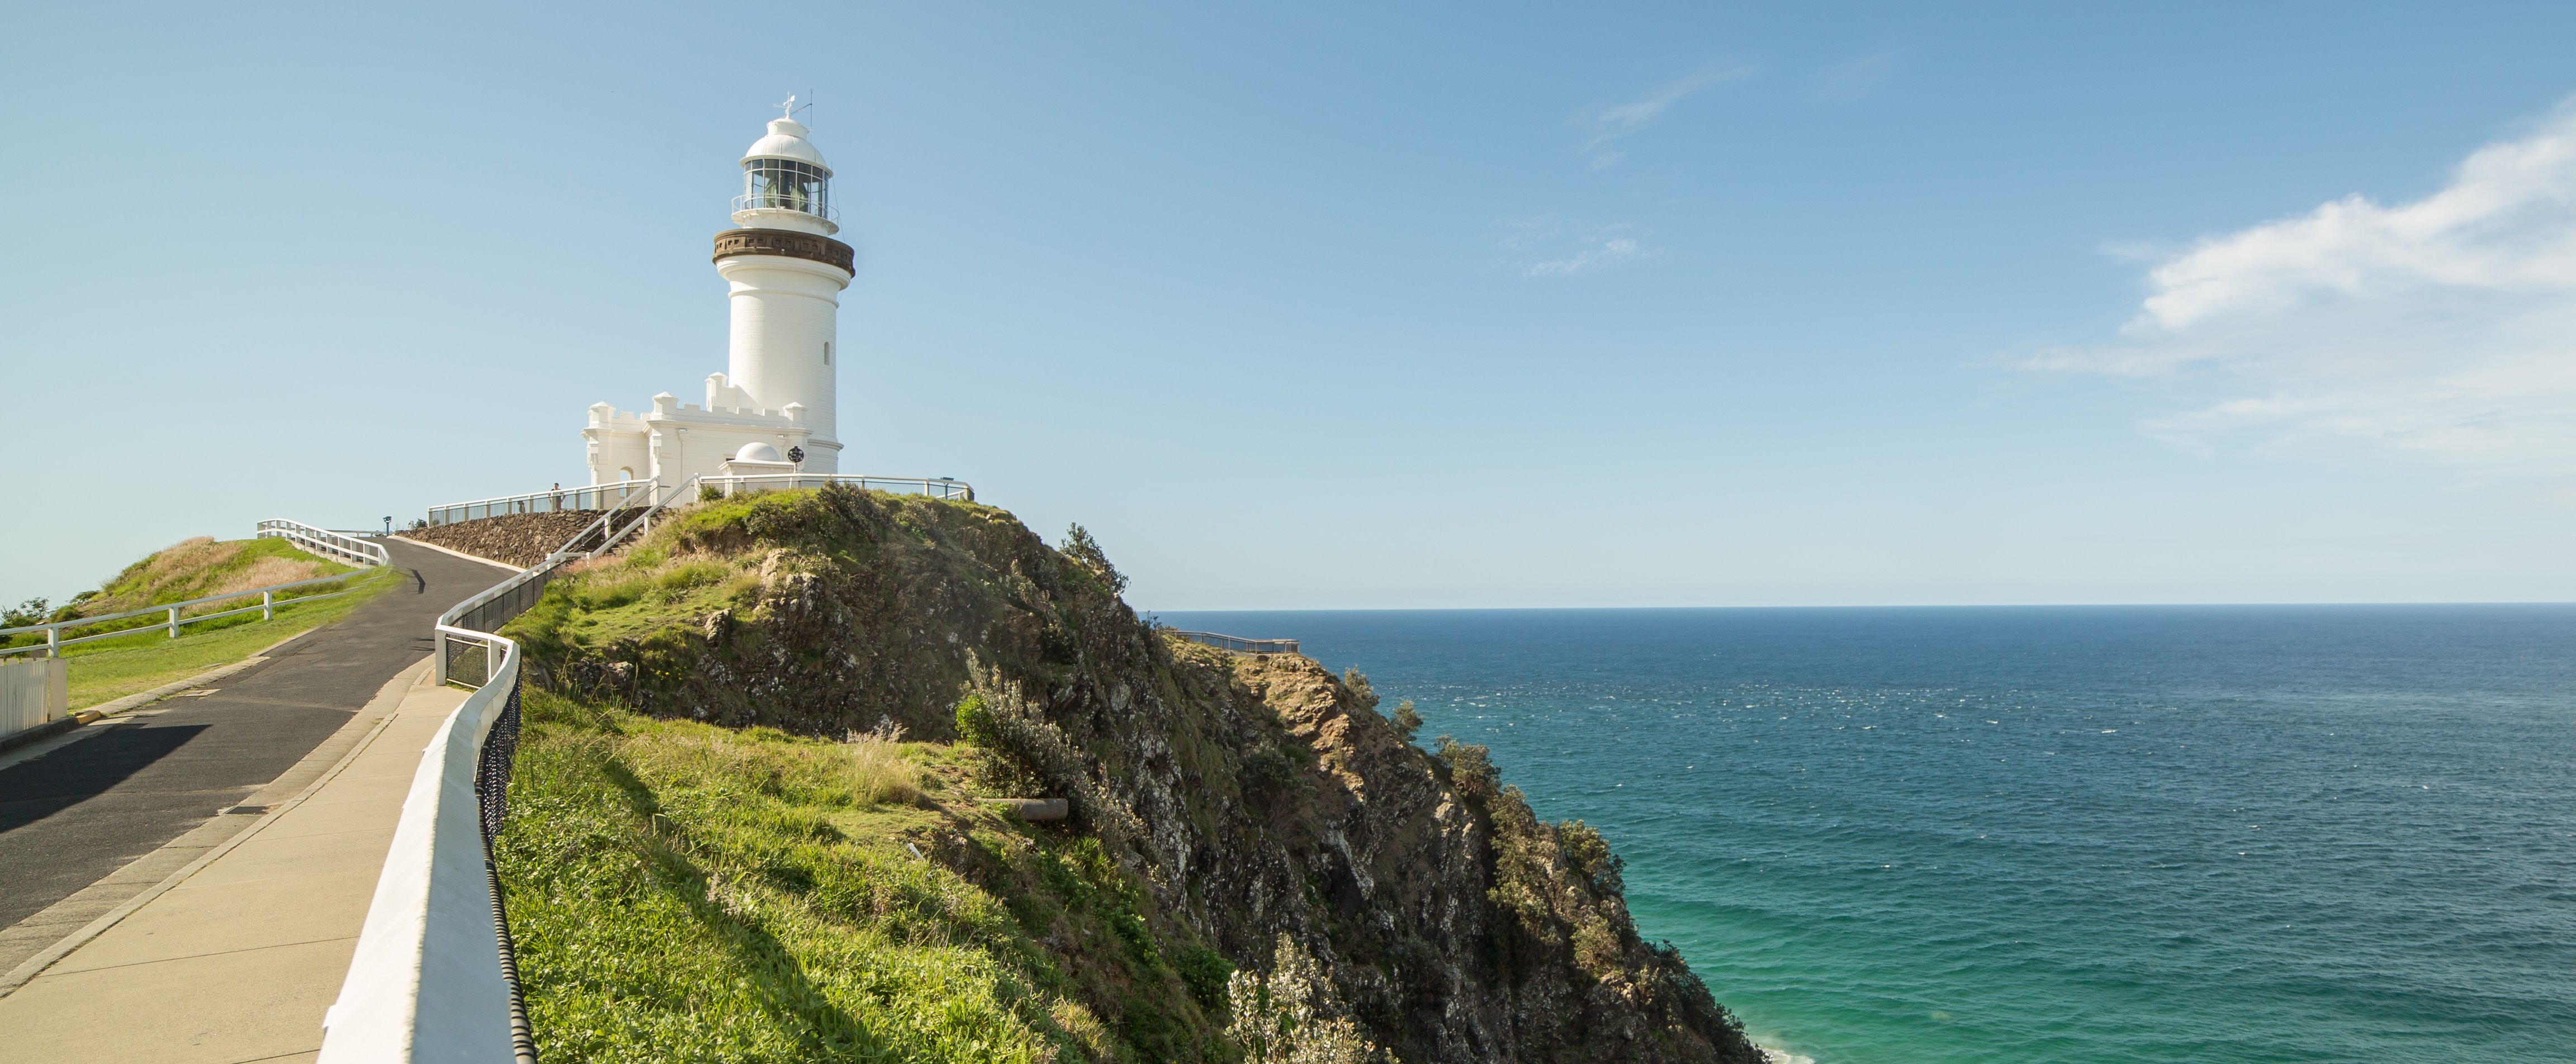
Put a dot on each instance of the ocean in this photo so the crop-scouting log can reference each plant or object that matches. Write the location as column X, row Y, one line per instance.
column 2051, row 834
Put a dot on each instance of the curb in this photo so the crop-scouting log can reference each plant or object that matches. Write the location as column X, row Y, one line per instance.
column 40, row 732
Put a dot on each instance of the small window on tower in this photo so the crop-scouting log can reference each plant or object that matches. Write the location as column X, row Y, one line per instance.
column 827, row 352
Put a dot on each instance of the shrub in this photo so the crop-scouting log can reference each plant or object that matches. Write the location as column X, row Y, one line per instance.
column 1206, row 971
column 1291, row 1016
column 1079, row 546
column 1406, row 719
column 1361, row 692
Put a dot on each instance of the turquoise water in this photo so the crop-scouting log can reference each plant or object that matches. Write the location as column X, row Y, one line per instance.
column 2034, row 835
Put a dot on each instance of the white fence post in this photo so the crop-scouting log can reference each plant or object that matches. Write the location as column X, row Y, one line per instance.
column 268, row 605
column 174, row 622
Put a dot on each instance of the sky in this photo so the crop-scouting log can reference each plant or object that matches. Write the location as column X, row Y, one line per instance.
column 1356, row 305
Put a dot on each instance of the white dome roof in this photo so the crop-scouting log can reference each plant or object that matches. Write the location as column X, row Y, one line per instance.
column 786, row 140
column 757, row 452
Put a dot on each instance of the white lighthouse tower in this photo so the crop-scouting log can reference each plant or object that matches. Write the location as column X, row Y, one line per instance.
column 776, row 401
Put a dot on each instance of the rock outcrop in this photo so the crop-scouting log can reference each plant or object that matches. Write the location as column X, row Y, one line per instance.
column 1254, row 797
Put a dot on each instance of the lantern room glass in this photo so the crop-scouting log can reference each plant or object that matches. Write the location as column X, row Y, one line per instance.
column 788, row 185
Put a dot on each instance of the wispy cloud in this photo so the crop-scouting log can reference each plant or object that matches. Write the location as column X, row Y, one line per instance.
column 1610, row 122
column 1852, row 81
column 2443, row 328
column 1561, row 247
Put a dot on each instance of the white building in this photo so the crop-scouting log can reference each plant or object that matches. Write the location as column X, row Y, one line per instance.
column 771, row 410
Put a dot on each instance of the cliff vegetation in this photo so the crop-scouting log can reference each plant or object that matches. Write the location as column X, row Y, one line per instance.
column 747, row 825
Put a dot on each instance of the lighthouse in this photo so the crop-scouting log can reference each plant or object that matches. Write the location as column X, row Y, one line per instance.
column 774, row 408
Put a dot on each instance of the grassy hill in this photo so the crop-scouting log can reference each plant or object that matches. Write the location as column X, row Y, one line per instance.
column 195, row 568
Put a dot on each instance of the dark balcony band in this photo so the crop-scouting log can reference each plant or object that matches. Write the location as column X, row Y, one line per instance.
column 787, row 243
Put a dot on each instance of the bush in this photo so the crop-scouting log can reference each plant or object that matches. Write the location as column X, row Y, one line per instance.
column 975, row 722
column 1079, row 546
column 1205, row 971
column 1265, row 772
column 1407, row 719
column 29, row 612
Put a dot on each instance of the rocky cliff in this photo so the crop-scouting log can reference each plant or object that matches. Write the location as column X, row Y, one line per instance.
column 1251, row 797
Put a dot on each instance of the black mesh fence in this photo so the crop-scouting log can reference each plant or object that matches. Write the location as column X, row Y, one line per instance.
column 492, row 793
column 490, row 616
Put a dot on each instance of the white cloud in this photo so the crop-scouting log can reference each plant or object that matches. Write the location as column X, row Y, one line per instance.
column 1850, row 82
column 2443, row 328
column 1559, row 247
column 1614, row 121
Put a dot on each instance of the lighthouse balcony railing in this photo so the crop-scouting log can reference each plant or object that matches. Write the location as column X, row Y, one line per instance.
column 619, row 495
column 935, row 487
column 768, row 202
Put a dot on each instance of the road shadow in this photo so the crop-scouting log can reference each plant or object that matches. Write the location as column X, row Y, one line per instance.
column 33, row 790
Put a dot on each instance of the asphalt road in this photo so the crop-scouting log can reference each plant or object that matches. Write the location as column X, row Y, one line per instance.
column 80, row 812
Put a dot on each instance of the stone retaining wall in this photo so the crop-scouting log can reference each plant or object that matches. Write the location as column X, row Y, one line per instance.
column 518, row 540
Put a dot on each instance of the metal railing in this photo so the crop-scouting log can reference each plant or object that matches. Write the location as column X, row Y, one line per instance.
column 756, row 201
column 171, row 612
column 325, row 542
column 619, row 495
column 473, row 619
column 434, row 977
column 1240, row 645
column 935, row 487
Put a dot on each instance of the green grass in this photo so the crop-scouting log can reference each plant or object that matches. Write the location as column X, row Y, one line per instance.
column 113, row 668
column 679, row 891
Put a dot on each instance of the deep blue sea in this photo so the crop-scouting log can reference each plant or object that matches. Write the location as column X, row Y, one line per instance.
column 2040, row 835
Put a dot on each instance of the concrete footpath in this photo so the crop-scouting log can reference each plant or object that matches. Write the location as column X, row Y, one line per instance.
column 234, row 955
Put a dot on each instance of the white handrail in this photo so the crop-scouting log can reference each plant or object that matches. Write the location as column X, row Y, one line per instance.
column 616, row 495
column 349, row 549
column 430, row 979
column 1238, row 643
column 426, row 982
column 935, row 487
column 268, row 603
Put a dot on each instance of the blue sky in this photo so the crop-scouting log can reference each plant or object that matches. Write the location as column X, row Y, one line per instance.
column 1313, row 306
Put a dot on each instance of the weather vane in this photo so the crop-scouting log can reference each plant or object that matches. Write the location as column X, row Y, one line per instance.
column 788, row 109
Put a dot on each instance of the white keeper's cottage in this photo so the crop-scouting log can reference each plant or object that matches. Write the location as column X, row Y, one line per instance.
column 771, row 410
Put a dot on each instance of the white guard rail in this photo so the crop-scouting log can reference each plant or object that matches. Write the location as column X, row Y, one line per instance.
column 170, row 612
column 615, row 496
column 935, row 487
column 325, row 542
column 1239, row 644
column 428, row 982
column 433, row 978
